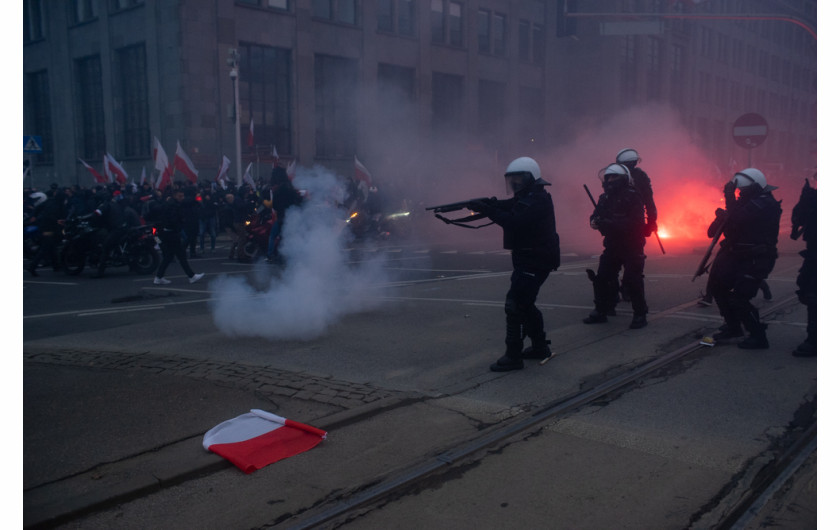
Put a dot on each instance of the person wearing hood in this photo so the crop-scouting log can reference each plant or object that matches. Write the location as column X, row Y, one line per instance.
column 746, row 257
column 529, row 232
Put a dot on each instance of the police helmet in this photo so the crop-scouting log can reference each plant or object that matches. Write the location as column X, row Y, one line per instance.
column 523, row 172
column 749, row 176
column 615, row 169
column 628, row 157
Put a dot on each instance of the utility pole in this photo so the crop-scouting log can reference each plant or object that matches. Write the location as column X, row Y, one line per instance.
column 233, row 62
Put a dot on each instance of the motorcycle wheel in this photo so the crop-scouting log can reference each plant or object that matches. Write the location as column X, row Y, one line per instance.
column 73, row 260
column 146, row 262
column 252, row 249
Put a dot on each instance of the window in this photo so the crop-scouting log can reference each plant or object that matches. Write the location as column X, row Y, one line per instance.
column 38, row 109
column 524, row 40
column 402, row 10
column 654, row 82
column 265, row 95
column 33, row 21
column 456, row 24
column 133, row 103
column 483, row 31
column 447, row 102
column 538, row 44
column 92, row 116
column 121, row 5
column 627, row 70
column 396, row 83
column 344, row 11
column 82, row 11
column 447, row 22
column 499, row 34
column 335, row 106
column 531, row 116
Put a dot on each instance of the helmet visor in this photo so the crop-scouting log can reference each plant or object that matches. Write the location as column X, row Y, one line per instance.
column 517, row 181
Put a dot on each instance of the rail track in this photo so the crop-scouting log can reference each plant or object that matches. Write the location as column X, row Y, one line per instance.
column 342, row 506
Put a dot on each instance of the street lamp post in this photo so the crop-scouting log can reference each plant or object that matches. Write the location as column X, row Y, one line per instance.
column 233, row 61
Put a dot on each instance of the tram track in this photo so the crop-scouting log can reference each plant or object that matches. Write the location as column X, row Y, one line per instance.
column 339, row 508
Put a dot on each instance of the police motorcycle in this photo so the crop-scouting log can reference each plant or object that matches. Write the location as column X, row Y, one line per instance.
column 82, row 247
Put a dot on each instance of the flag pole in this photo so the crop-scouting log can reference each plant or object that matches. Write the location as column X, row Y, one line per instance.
column 233, row 61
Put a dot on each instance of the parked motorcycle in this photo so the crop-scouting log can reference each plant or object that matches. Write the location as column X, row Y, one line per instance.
column 82, row 247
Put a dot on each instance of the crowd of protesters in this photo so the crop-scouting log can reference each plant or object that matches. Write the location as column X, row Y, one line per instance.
column 205, row 211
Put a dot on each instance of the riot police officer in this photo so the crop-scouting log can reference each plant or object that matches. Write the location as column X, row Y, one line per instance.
column 804, row 223
column 747, row 255
column 620, row 217
column 529, row 232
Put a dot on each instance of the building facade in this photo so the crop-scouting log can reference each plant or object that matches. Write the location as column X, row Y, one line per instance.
column 403, row 85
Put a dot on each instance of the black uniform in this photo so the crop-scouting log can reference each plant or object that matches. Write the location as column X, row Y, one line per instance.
column 170, row 226
column 804, row 221
column 747, row 255
column 113, row 218
column 529, row 232
column 620, row 217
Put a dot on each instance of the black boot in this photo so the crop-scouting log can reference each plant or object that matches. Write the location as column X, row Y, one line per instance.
column 639, row 321
column 539, row 350
column 595, row 317
column 755, row 342
column 506, row 364
column 806, row 349
column 757, row 339
column 728, row 331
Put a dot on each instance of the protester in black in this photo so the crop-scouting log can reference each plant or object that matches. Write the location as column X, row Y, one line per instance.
column 170, row 226
column 747, row 255
column 529, row 232
column 620, row 217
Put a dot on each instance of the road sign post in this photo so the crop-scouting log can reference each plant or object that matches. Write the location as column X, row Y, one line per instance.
column 750, row 131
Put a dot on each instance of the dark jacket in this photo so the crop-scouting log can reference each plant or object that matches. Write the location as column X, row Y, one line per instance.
column 752, row 225
column 529, row 229
column 620, row 217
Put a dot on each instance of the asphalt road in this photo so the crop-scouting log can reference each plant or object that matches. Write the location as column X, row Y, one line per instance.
column 416, row 326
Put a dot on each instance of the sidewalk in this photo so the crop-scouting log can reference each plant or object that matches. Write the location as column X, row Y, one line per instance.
column 130, row 424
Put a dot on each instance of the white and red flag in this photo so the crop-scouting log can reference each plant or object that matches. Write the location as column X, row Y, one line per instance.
column 251, row 134
column 100, row 179
column 183, row 163
column 221, row 176
column 143, row 176
column 362, row 174
column 248, row 178
column 162, row 165
column 275, row 158
column 256, row 439
column 115, row 171
column 290, row 169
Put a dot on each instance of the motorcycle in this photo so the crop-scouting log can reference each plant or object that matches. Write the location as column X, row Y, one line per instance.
column 258, row 227
column 380, row 226
column 82, row 247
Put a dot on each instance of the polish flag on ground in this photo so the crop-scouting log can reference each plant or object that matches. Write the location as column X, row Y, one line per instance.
column 362, row 174
column 162, row 165
column 256, row 439
column 100, row 179
column 183, row 163
column 251, row 134
column 114, row 170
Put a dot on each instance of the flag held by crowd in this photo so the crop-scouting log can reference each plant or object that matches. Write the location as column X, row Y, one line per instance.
column 97, row 177
column 115, row 171
column 362, row 174
column 162, row 166
column 183, row 164
column 248, row 178
column 259, row 438
column 221, row 176
column 251, row 134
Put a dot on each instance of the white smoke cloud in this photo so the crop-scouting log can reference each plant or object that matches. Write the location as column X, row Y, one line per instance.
column 318, row 285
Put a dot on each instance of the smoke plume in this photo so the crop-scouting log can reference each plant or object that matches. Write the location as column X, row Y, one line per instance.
column 318, row 285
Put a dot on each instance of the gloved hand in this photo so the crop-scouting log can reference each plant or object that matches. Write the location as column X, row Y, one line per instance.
column 650, row 228
column 483, row 205
column 729, row 189
column 593, row 223
column 720, row 212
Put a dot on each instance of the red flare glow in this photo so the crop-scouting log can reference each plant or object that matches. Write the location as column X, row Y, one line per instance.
column 686, row 209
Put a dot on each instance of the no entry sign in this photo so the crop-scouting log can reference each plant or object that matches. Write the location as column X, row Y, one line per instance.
column 749, row 130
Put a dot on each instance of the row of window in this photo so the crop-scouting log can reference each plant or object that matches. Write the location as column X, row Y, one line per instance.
column 732, row 95
column 131, row 107
column 78, row 12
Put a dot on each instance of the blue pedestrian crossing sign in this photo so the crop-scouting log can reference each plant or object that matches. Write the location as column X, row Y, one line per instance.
column 32, row 144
